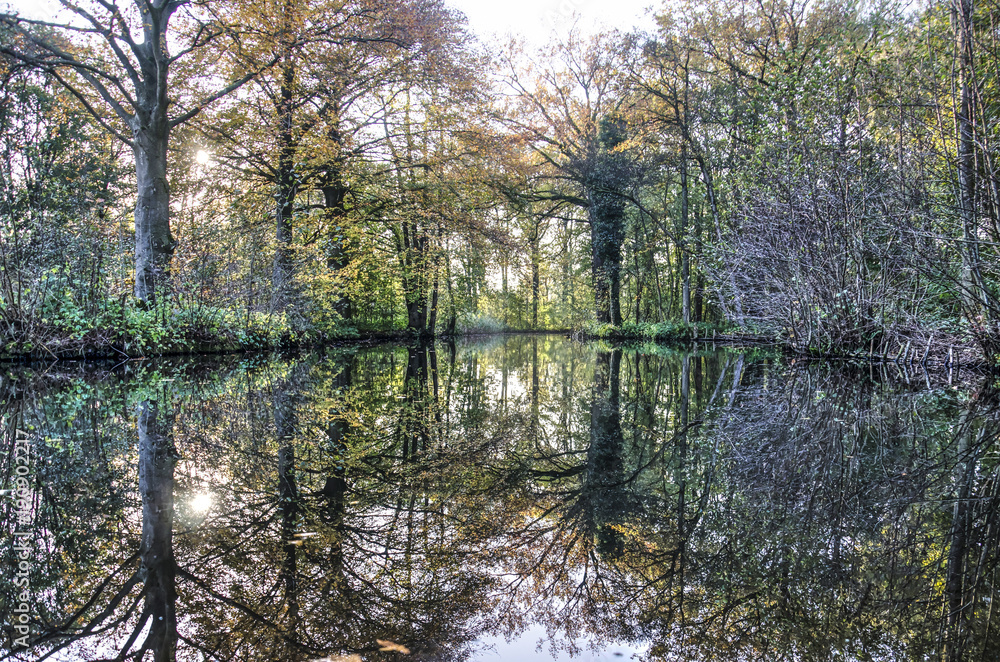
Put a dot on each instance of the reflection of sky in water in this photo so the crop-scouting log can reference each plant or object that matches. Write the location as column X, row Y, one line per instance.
column 533, row 645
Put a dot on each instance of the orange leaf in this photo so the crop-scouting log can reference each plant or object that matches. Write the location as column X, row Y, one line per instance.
column 389, row 646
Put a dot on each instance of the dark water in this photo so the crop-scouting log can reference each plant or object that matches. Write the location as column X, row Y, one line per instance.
column 526, row 498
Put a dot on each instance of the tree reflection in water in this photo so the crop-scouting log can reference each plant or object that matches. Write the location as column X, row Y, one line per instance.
column 700, row 505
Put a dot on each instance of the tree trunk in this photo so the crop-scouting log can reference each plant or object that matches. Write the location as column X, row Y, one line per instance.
column 432, row 318
column 535, row 281
column 334, row 194
column 605, row 231
column 567, row 280
column 638, row 254
column 606, row 209
column 449, row 329
column 285, row 194
column 503, row 289
column 416, row 315
column 436, row 287
column 334, row 201
column 682, row 236
column 697, row 311
column 414, row 263
column 154, row 244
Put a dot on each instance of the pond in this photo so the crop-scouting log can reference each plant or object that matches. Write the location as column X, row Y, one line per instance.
column 514, row 498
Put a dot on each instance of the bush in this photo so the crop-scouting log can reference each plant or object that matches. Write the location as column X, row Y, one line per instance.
column 658, row 331
column 479, row 323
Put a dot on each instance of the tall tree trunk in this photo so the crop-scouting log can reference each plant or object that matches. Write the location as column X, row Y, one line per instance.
column 536, row 259
column 436, row 287
column 449, row 329
column 503, row 289
column 638, row 257
column 567, row 280
column 697, row 309
column 606, row 208
column 154, row 244
column 285, row 193
column 683, row 238
column 435, row 292
column 334, row 202
column 286, row 186
column 414, row 263
column 605, row 231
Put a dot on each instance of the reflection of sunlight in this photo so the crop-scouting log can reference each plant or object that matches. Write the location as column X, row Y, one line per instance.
column 202, row 157
column 201, row 502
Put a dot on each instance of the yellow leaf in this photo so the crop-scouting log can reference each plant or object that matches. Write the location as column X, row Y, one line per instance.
column 389, row 646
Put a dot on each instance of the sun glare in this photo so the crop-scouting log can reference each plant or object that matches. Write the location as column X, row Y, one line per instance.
column 201, row 502
column 202, row 157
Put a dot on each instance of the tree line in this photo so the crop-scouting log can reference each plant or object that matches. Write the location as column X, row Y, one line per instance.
column 817, row 173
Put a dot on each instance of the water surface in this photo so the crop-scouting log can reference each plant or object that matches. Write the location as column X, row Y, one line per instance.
column 523, row 498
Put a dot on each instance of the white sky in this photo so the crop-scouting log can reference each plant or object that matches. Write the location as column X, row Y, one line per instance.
column 39, row 9
column 535, row 20
column 538, row 20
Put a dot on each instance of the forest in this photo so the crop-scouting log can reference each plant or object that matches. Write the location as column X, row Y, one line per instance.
column 181, row 175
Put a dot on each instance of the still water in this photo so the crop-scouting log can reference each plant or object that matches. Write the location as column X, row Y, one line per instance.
column 521, row 498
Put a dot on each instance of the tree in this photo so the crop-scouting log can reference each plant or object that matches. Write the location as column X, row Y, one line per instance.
column 574, row 115
column 296, row 131
column 60, row 185
column 124, row 83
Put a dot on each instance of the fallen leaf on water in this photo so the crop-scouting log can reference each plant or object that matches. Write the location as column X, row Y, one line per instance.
column 390, row 646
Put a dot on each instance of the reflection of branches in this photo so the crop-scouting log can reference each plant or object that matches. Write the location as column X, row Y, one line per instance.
column 65, row 632
column 715, row 507
column 814, row 465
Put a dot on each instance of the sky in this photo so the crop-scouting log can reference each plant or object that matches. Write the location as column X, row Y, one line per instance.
column 537, row 20
column 37, row 9
column 534, row 20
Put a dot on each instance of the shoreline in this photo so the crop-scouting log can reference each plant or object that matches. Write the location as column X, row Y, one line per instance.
column 944, row 357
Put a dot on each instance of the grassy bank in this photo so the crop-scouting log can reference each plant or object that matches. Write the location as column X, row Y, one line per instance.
column 122, row 328
column 654, row 331
column 125, row 329
column 936, row 348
